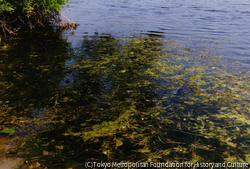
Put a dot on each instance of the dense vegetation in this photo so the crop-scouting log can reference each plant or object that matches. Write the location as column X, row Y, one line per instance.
column 132, row 100
column 30, row 14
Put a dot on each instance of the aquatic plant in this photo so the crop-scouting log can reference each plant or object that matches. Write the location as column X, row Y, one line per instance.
column 142, row 99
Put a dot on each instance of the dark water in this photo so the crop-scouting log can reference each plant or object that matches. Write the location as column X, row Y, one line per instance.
column 221, row 22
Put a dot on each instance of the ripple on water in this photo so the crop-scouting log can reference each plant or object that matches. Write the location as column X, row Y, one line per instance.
column 217, row 20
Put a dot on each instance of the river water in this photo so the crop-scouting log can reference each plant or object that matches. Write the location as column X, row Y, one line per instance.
column 222, row 22
column 34, row 76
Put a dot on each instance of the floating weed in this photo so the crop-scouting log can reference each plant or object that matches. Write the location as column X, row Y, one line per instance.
column 8, row 131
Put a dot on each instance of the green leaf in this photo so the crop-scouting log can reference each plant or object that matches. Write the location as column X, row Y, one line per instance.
column 8, row 131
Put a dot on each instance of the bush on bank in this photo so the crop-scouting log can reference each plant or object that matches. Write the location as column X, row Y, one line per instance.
column 30, row 14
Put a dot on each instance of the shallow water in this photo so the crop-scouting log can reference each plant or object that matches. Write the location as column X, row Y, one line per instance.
column 36, row 67
column 225, row 22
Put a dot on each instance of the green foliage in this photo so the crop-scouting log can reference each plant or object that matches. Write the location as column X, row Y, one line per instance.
column 30, row 14
column 28, row 6
column 5, row 6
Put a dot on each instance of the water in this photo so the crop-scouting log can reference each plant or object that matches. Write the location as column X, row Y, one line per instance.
column 82, row 74
column 222, row 22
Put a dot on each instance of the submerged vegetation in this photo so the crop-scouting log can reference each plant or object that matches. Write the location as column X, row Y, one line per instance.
column 132, row 100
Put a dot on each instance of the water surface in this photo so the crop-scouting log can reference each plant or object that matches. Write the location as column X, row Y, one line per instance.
column 86, row 80
column 224, row 22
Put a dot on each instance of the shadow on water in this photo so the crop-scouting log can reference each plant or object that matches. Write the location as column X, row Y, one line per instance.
column 31, row 69
column 135, row 99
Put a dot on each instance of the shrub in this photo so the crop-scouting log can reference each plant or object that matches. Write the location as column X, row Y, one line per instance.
column 29, row 14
